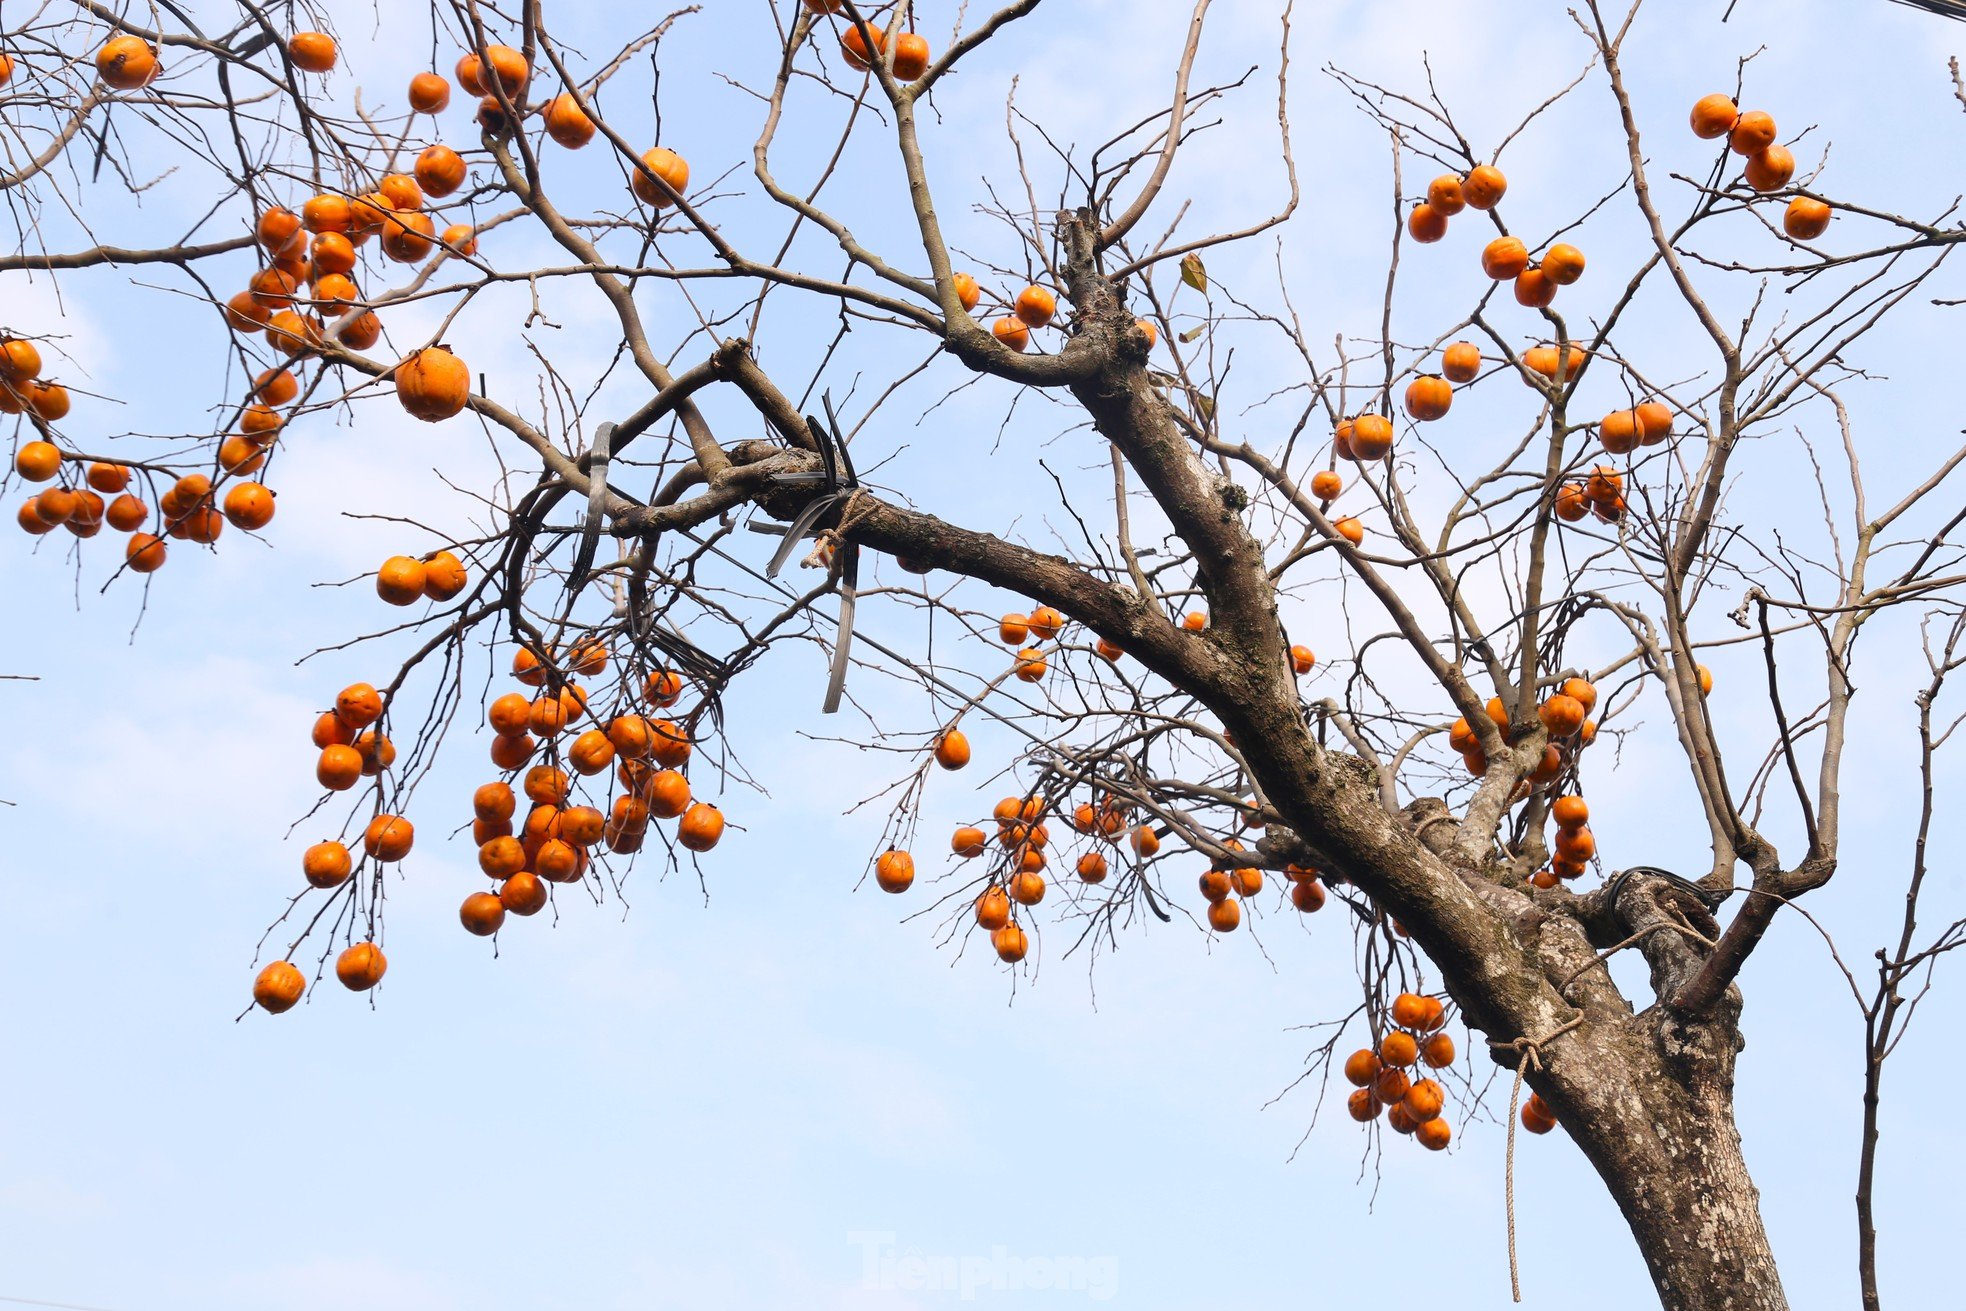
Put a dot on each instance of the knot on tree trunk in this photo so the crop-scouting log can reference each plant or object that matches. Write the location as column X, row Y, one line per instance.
column 1432, row 824
column 1675, row 931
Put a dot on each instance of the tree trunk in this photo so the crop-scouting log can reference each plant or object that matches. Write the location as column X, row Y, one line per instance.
column 1685, row 1191
column 1651, row 1103
column 1648, row 1097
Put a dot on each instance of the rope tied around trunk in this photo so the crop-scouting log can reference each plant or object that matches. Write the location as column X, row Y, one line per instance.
column 1530, row 1052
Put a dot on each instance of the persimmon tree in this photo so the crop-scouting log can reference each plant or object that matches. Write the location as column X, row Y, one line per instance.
column 1516, row 603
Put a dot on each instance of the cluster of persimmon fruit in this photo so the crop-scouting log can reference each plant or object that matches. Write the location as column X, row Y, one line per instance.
column 554, row 841
column 1033, row 307
column 305, row 295
column 302, row 298
column 1574, row 843
column 431, row 387
column 352, row 747
column 1021, row 831
column 22, row 388
column 313, row 254
column 76, row 500
column 407, row 579
column 1306, row 890
column 1024, row 840
column 1769, row 167
column 1536, row 1115
column 649, row 757
column 1506, row 258
column 1368, row 438
column 1565, row 715
column 910, row 59
column 1602, row 490
column 1042, row 625
column 1383, row 1081
column 189, row 507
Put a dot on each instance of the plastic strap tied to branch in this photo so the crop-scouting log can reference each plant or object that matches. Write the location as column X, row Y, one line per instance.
column 842, row 492
column 1711, row 898
column 598, row 455
column 1531, row 1053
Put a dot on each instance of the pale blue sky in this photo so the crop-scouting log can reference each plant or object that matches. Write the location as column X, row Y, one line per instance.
column 704, row 1105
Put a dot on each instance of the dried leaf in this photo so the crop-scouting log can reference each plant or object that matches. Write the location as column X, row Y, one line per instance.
column 1193, row 273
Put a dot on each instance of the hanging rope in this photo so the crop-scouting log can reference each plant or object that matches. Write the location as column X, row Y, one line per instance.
column 1531, row 1050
